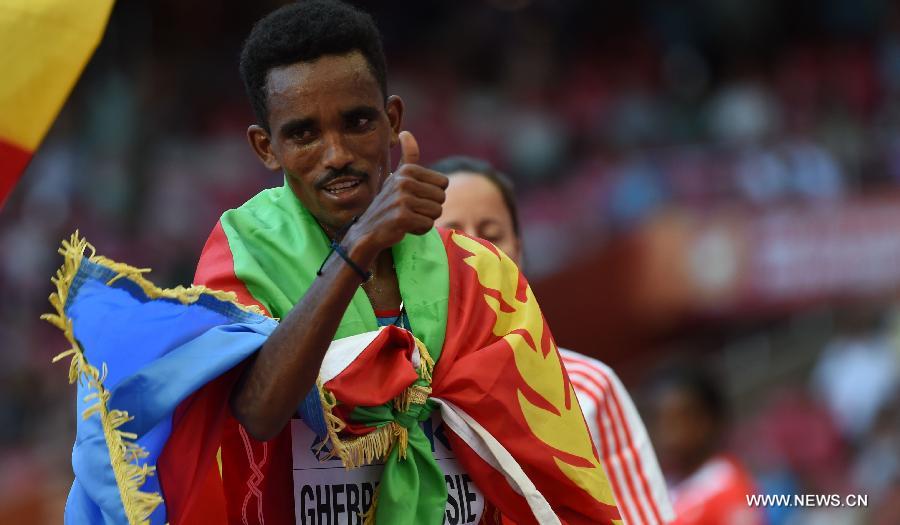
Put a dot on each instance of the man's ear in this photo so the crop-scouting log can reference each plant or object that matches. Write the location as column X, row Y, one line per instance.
column 261, row 144
column 394, row 109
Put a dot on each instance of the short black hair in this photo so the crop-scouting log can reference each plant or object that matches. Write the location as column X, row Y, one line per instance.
column 698, row 382
column 461, row 163
column 302, row 32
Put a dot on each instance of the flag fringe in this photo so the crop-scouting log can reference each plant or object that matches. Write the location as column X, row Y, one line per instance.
column 414, row 395
column 427, row 361
column 358, row 451
column 376, row 445
column 124, row 452
column 184, row 295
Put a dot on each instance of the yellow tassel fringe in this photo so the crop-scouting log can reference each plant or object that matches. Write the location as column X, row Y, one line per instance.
column 427, row 362
column 375, row 445
column 414, row 395
column 123, row 451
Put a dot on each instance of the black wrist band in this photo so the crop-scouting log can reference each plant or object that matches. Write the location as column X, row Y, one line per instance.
column 336, row 247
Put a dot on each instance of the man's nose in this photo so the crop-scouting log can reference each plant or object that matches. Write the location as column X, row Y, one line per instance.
column 336, row 155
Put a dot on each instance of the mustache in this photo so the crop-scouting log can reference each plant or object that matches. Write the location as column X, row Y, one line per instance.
column 333, row 174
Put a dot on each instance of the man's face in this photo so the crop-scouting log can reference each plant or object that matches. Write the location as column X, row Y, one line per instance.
column 684, row 432
column 331, row 133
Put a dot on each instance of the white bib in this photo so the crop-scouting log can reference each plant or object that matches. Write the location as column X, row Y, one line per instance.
column 325, row 493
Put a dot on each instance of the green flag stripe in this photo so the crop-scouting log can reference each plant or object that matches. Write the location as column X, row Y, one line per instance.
column 277, row 247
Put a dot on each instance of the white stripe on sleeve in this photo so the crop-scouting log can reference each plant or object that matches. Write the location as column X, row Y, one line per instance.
column 640, row 460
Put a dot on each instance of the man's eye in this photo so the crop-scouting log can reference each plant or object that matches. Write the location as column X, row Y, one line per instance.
column 303, row 136
column 361, row 123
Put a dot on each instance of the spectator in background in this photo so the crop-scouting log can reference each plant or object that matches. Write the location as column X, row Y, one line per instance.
column 480, row 202
column 708, row 486
column 858, row 371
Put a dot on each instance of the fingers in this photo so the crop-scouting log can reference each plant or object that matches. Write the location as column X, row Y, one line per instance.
column 418, row 197
column 409, row 159
column 414, row 195
column 425, row 175
column 432, row 177
column 427, row 208
column 420, row 224
column 422, row 230
column 409, row 149
column 424, row 190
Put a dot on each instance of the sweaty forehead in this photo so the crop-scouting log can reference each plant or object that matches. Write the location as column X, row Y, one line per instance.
column 344, row 76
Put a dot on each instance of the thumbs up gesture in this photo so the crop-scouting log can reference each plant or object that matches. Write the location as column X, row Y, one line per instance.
column 409, row 201
column 409, row 149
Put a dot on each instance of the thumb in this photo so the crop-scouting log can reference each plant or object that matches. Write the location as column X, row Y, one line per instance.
column 409, row 149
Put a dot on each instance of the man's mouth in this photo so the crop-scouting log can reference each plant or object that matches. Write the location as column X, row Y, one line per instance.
column 342, row 185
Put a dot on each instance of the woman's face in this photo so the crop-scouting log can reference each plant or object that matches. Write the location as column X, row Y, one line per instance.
column 475, row 206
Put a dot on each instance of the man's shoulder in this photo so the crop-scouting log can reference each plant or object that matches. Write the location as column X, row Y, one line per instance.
column 246, row 225
column 260, row 205
column 270, row 214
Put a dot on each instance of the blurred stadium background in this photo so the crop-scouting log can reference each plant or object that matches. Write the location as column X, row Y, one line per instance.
column 707, row 181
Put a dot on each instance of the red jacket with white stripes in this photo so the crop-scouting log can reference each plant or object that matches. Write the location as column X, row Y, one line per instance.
column 621, row 441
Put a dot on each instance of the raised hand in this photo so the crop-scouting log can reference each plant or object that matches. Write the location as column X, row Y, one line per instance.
column 409, row 201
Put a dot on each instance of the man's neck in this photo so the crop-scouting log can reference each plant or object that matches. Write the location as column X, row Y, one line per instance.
column 384, row 263
column 335, row 232
column 383, row 289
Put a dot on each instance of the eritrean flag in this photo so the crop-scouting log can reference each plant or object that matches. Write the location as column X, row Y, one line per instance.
column 497, row 380
column 44, row 45
column 158, row 443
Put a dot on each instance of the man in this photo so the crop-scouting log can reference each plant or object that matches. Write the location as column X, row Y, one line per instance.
column 345, row 245
column 708, row 486
column 480, row 201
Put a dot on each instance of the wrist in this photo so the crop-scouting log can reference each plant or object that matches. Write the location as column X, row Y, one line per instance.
column 360, row 247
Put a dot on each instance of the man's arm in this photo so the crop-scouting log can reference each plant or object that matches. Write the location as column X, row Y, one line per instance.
column 286, row 367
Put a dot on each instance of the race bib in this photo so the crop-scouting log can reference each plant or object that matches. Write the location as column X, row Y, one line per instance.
column 325, row 493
